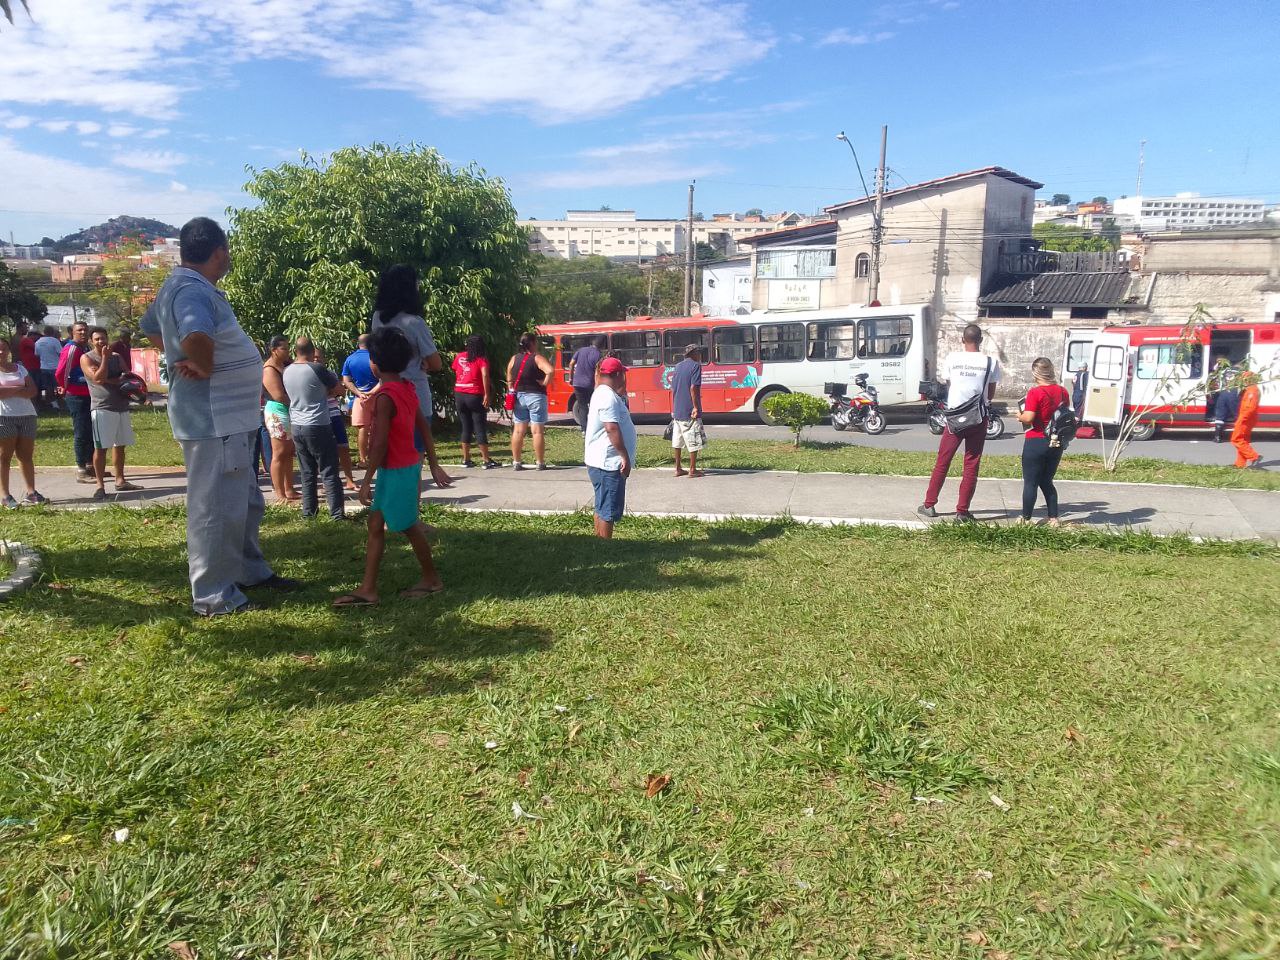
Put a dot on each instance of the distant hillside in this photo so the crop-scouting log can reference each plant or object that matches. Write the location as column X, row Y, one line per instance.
column 115, row 229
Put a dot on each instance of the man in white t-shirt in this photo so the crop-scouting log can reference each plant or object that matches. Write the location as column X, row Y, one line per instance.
column 610, row 446
column 968, row 373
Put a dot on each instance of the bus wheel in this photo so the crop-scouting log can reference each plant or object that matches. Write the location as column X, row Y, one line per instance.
column 1144, row 430
column 579, row 414
column 767, row 420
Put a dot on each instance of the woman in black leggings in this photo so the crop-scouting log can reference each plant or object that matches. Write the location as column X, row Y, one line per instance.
column 473, row 393
column 1039, row 460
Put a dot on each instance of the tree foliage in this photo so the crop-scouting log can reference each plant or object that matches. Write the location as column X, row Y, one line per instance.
column 1056, row 236
column 1059, row 200
column 128, row 284
column 597, row 288
column 17, row 300
column 796, row 411
column 306, row 260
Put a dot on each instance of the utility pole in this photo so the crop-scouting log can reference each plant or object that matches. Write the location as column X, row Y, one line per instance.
column 877, row 225
column 688, row 255
column 1142, row 156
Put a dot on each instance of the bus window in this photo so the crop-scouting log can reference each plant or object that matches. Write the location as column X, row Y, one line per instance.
column 571, row 343
column 734, row 345
column 884, row 337
column 674, row 342
column 781, row 342
column 637, row 349
column 831, row 340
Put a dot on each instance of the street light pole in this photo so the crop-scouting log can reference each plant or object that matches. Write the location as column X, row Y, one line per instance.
column 873, row 287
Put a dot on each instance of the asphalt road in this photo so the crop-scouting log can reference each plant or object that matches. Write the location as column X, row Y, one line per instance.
column 907, row 431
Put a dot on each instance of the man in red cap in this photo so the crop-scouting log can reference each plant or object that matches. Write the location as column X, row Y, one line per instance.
column 610, row 444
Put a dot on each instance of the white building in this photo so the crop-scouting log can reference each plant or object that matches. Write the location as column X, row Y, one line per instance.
column 11, row 251
column 619, row 234
column 727, row 287
column 1189, row 211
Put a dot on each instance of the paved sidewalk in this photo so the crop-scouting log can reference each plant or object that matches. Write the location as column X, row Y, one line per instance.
column 812, row 497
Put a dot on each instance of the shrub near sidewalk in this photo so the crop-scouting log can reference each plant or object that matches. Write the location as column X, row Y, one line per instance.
column 466, row 776
column 796, row 411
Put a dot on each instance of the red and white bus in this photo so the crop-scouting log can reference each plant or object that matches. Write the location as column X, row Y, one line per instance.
column 748, row 358
column 1142, row 368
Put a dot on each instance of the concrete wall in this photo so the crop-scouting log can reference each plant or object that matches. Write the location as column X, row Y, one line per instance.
column 1223, row 253
column 1015, row 343
column 1232, row 275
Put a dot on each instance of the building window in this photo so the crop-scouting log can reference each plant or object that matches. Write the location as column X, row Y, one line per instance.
column 1158, row 361
column 813, row 263
column 862, row 266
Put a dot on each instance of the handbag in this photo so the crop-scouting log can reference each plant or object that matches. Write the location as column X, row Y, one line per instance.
column 668, row 433
column 973, row 411
column 509, row 398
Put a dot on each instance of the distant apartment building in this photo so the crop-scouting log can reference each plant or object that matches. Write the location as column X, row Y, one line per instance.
column 20, row 251
column 1189, row 211
column 621, row 235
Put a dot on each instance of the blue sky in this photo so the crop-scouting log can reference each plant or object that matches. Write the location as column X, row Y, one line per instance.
column 154, row 107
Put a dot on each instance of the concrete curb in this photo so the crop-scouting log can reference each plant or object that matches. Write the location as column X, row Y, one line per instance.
column 26, row 568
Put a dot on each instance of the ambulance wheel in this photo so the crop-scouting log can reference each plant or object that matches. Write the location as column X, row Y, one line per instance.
column 763, row 414
column 1144, row 430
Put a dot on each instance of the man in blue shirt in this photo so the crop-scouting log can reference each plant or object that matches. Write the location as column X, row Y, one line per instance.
column 582, row 376
column 360, row 382
column 686, row 409
column 215, row 380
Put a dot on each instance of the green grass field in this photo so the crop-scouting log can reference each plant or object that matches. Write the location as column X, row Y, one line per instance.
column 837, row 710
column 157, row 448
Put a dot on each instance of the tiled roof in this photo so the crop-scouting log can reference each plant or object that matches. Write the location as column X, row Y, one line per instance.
column 1111, row 289
column 792, row 233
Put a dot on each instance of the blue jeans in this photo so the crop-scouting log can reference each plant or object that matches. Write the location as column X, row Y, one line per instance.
column 611, row 493
column 82, row 430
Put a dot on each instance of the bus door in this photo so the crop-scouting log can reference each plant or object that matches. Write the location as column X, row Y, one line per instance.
column 571, row 343
column 1108, row 378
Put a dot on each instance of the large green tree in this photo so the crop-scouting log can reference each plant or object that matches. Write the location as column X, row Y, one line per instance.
column 17, row 300
column 1056, row 236
column 306, row 259
column 597, row 288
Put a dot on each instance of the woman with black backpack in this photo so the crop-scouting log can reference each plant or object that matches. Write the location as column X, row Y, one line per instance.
column 1043, row 445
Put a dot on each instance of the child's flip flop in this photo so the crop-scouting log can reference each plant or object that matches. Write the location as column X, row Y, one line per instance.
column 415, row 593
column 353, row 600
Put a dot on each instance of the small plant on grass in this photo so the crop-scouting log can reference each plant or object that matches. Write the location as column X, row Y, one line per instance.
column 829, row 728
column 796, row 411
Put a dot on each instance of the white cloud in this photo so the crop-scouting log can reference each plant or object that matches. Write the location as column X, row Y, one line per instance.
column 55, row 126
column 90, row 193
column 177, row 187
column 629, row 173
column 121, row 130
column 17, row 123
column 152, row 161
column 86, row 127
column 666, row 159
column 557, row 59
column 156, row 133
column 844, row 37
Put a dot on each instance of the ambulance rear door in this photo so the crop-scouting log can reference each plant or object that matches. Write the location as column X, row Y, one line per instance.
column 1108, row 378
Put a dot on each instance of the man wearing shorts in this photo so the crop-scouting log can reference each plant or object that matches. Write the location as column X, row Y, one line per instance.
column 610, row 446
column 686, row 409
column 360, row 382
column 108, row 412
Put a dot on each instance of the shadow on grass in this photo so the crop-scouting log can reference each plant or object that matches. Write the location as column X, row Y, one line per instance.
column 299, row 652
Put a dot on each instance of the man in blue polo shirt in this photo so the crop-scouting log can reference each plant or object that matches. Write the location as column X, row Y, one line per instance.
column 214, row 385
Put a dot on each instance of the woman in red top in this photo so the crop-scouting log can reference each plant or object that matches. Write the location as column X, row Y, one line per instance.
column 1039, row 460
column 473, row 393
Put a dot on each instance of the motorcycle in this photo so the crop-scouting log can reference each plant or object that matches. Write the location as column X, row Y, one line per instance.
column 934, row 396
column 862, row 410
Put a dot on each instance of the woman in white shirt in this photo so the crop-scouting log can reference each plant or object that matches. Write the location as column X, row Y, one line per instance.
column 17, row 427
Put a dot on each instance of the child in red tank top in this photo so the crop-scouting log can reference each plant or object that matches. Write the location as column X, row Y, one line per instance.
column 397, row 466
